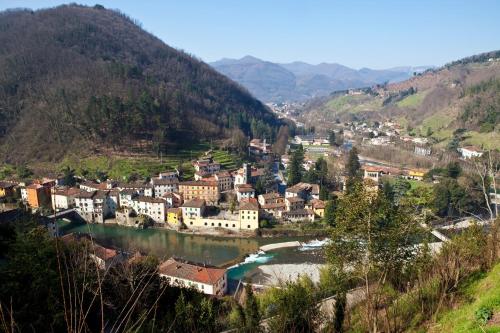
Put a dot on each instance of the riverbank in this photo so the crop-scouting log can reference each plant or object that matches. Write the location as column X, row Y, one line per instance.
column 275, row 274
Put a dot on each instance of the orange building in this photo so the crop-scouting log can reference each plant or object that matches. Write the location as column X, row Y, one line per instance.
column 38, row 195
column 206, row 190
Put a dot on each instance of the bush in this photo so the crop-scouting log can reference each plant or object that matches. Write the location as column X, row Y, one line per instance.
column 483, row 315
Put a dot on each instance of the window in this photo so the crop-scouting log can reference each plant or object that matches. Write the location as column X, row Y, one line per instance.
column 234, row 226
column 191, row 223
column 206, row 223
column 248, row 226
column 226, row 225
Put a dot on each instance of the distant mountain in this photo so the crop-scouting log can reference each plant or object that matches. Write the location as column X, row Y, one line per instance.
column 75, row 78
column 464, row 94
column 297, row 81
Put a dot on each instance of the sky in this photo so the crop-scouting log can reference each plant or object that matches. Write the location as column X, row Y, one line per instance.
column 356, row 33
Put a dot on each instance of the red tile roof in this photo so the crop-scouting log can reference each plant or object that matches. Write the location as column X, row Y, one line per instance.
column 192, row 272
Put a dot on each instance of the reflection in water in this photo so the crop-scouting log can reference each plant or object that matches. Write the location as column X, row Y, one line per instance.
column 165, row 243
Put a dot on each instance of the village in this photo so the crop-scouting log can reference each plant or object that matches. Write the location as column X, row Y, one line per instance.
column 215, row 201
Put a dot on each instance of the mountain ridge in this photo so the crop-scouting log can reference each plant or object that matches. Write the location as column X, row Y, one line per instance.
column 298, row 80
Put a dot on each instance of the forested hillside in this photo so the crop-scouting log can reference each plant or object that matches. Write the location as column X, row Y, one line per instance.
column 74, row 78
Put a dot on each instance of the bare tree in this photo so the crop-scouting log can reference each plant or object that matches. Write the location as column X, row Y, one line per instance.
column 487, row 167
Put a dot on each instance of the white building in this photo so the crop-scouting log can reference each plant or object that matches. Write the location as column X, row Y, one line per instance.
column 245, row 191
column 208, row 280
column 155, row 208
column 470, row 152
column 142, row 189
column 193, row 209
column 63, row 197
column 243, row 175
column 164, row 185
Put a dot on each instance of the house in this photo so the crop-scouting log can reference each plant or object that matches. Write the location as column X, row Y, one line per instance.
column 6, row 189
column 94, row 206
column 164, row 185
column 270, row 198
column 373, row 173
column 105, row 257
column 206, row 190
column 470, row 152
column 168, row 175
column 318, row 207
column 305, row 191
column 174, row 216
column 206, row 279
column 311, row 139
column 84, row 202
column 155, row 208
column 193, row 209
column 126, row 196
column 173, row 199
column 207, row 166
column 245, row 191
column 299, row 215
column 225, row 180
column 415, row 174
column 243, row 175
column 275, row 209
column 90, row 186
column 423, row 150
column 249, row 214
column 294, row 203
column 259, row 148
column 38, row 195
column 143, row 189
column 63, row 197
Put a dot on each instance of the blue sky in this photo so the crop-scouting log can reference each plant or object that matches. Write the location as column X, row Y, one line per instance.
column 375, row 34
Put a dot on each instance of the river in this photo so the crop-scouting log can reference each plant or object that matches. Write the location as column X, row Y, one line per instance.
column 242, row 254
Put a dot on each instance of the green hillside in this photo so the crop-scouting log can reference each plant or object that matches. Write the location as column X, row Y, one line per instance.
column 484, row 297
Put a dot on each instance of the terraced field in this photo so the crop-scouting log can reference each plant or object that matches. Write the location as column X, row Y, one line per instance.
column 228, row 161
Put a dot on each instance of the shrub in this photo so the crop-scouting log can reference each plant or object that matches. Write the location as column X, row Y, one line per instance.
column 483, row 315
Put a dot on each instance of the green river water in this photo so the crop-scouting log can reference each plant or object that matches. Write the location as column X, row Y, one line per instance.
column 213, row 250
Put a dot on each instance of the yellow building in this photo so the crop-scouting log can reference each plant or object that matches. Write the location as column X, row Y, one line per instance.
column 318, row 207
column 174, row 216
column 416, row 174
column 6, row 189
column 249, row 214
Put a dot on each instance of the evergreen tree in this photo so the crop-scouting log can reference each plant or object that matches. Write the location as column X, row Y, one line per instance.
column 69, row 176
column 329, row 217
column 324, row 194
column 353, row 166
column 331, row 138
column 295, row 168
column 251, row 311
column 453, row 170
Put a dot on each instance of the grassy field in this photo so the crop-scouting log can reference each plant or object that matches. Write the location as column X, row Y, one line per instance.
column 482, row 292
column 435, row 123
column 483, row 140
column 353, row 104
column 412, row 101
